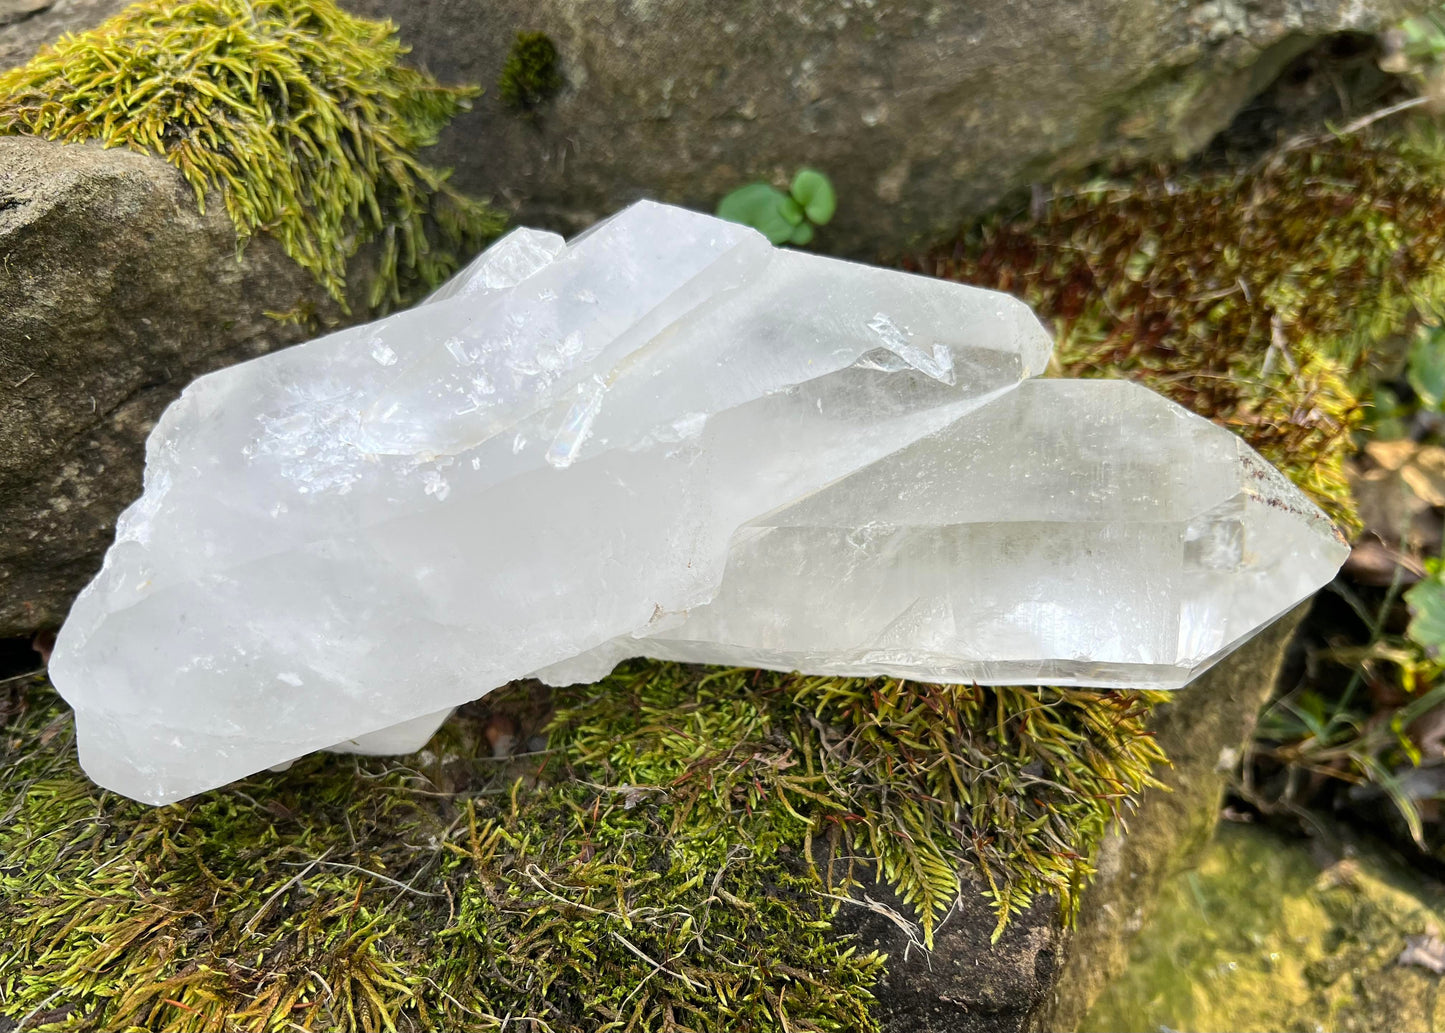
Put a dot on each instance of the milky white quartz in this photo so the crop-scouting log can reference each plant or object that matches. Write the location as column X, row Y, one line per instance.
column 665, row 438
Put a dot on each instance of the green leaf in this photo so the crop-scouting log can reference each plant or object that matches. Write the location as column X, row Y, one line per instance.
column 760, row 206
column 791, row 210
column 1311, row 719
column 802, row 234
column 1389, row 418
column 1393, row 785
column 1427, row 366
column 814, row 191
column 1427, row 614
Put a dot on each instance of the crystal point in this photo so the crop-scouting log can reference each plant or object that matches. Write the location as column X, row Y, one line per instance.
column 1073, row 532
column 664, row 438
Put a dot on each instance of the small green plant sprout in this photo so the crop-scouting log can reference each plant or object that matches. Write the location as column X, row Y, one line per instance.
column 530, row 77
column 783, row 218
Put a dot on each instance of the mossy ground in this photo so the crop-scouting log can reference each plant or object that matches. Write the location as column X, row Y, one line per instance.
column 671, row 862
column 302, row 116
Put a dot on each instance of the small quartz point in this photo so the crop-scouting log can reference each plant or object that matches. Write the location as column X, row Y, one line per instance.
column 664, row 438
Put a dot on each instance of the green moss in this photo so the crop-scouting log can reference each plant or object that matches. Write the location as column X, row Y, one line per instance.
column 301, row 115
column 1259, row 937
column 529, row 76
column 1256, row 300
column 667, row 865
column 924, row 780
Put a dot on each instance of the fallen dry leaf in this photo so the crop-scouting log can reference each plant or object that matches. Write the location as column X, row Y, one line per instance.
column 1372, row 562
column 1425, row 474
column 1398, row 486
column 1426, row 950
column 1391, row 455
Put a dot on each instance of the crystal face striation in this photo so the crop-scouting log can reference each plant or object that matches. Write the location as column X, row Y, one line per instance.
column 665, row 438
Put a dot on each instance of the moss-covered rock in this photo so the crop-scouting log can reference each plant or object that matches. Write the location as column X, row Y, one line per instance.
column 1270, row 933
column 1256, row 299
column 290, row 128
column 677, row 857
column 300, row 115
column 672, row 861
column 1201, row 729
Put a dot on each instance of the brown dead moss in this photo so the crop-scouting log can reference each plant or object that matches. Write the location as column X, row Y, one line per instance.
column 1256, row 300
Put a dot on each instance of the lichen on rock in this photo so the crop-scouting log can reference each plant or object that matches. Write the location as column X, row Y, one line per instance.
column 301, row 115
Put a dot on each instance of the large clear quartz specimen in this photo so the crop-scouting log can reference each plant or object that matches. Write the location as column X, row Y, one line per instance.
column 666, row 438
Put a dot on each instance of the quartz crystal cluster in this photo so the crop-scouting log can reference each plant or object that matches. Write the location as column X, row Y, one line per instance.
column 665, row 438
